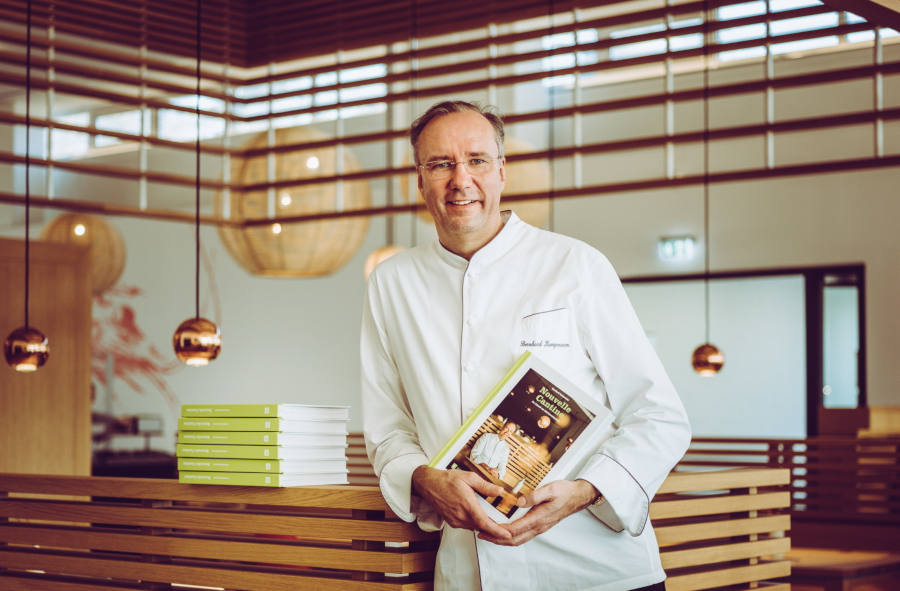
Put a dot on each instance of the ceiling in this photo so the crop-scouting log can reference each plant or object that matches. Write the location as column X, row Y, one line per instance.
column 250, row 33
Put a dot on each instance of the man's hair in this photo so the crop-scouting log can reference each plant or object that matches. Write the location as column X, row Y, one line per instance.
column 447, row 107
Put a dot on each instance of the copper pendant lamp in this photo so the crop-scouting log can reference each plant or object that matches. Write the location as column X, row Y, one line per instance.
column 197, row 341
column 26, row 348
column 707, row 360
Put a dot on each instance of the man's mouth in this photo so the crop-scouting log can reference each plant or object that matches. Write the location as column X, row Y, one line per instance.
column 463, row 202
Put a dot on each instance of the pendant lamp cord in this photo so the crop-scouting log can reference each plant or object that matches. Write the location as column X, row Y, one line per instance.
column 551, row 140
column 197, row 181
column 706, row 250
column 413, row 72
column 27, row 151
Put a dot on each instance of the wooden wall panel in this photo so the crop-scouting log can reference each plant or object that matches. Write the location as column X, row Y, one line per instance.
column 45, row 423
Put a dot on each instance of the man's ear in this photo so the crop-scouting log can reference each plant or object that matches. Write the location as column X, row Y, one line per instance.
column 419, row 179
column 502, row 173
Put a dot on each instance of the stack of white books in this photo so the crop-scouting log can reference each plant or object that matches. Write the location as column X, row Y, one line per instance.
column 262, row 444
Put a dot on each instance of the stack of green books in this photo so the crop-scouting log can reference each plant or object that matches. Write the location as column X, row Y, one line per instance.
column 262, row 444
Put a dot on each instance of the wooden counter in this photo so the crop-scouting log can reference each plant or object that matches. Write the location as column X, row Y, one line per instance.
column 74, row 533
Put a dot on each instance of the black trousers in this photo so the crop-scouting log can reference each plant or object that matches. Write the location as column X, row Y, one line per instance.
column 656, row 587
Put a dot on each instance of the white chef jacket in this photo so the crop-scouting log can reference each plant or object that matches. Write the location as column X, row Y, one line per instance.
column 438, row 331
column 491, row 451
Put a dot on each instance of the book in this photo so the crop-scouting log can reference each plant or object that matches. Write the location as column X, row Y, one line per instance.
column 261, row 479
column 262, row 438
column 270, row 466
column 261, row 424
column 260, row 452
column 306, row 412
column 533, row 427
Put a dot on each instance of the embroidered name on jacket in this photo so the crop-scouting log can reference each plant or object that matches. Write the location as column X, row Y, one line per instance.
column 545, row 343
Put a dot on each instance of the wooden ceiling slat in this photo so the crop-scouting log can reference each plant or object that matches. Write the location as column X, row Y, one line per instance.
column 275, row 30
column 482, row 83
column 63, row 47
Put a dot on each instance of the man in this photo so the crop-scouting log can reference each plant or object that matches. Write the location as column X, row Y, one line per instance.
column 491, row 450
column 441, row 325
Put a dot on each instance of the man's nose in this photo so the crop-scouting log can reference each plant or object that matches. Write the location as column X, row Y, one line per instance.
column 460, row 176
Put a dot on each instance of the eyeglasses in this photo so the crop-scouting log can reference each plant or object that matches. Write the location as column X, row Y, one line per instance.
column 443, row 169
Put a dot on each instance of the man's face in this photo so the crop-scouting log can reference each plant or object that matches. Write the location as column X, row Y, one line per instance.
column 507, row 430
column 465, row 207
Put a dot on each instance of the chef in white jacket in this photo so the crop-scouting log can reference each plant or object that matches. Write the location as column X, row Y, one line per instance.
column 443, row 322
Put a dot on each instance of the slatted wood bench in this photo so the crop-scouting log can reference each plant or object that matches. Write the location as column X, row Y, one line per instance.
column 724, row 529
column 132, row 533
column 845, row 512
column 74, row 533
column 826, row 569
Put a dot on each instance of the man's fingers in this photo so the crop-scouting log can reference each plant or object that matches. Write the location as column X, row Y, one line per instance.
column 484, row 487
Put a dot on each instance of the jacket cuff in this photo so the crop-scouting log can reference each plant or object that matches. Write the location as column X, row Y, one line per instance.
column 625, row 504
column 395, row 482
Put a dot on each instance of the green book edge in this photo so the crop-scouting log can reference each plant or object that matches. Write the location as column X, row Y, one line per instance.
column 487, row 400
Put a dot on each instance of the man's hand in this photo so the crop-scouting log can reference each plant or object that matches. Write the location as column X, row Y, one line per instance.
column 452, row 493
column 552, row 503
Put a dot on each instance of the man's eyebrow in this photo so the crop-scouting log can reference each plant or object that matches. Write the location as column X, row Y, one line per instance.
column 440, row 157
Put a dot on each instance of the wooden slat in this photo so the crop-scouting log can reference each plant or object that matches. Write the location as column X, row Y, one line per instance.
column 325, row 496
column 25, row 582
column 209, row 520
column 233, row 578
column 714, row 505
column 709, row 579
column 670, row 535
column 724, row 552
column 262, row 550
column 724, row 479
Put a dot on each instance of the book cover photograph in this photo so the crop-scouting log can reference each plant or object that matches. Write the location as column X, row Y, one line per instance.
column 534, row 427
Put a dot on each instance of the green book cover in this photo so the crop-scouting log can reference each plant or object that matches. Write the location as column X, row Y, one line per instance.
column 258, row 479
column 260, row 452
column 308, row 412
column 261, row 438
column 268, row 466
column 226, row 424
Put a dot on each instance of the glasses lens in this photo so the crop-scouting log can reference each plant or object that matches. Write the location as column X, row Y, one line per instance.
column 439, row 169
column 478, row 165
column 442, row 169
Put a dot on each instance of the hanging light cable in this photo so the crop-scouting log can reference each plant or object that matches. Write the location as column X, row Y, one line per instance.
column 26, row 348
column 706, row 359
column 197, row 341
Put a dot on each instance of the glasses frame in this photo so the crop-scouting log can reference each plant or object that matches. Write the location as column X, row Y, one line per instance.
column 441, row 174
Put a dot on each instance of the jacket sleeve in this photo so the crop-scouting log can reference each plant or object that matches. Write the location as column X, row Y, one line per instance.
column 652, row 429
column 391, row 439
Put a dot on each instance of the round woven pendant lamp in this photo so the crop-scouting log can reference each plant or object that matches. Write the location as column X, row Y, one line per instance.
column 522, row 176
column 305, row 249
column 107, row 248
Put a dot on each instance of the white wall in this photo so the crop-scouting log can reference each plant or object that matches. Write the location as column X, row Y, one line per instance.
column 758, row 324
